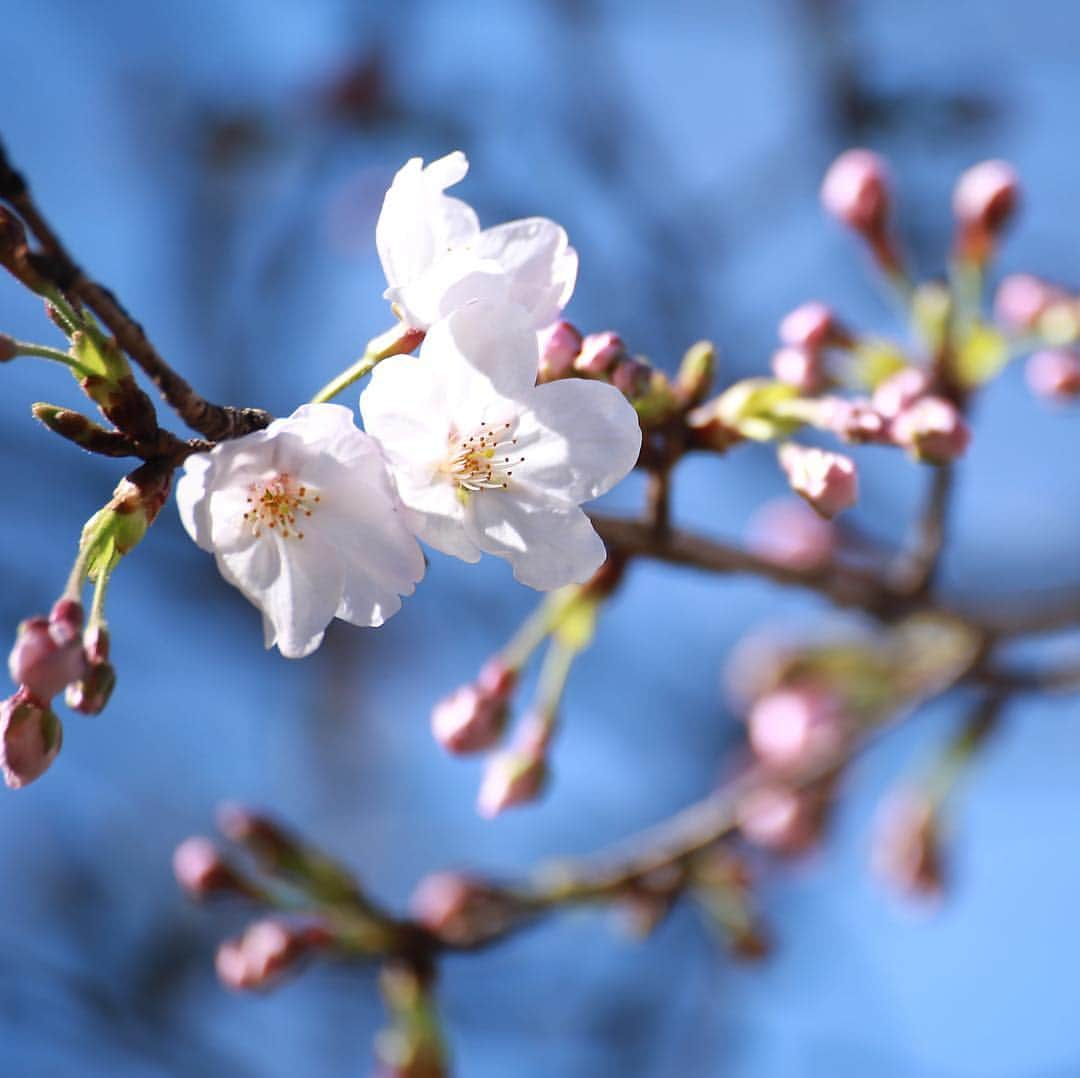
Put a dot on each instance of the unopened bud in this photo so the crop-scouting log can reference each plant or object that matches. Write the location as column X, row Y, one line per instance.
column 851, row 420
column 795, row 727
column 828, row 481
column 266, row 952
column 46, row 657
column 514, row 777
column 813, row 326
column 8, row 348
column 789, row 533
column 932, row 430
column 92, row 691
column 468, row 720
column 856, row 192
column 599, row 352
column 1021, row 299
column 201, row 870
column 458, row 908
column 900, row 391
column 709, row 430
column 560, row 344
column 906, row 851
column 778, row 819
column 696, row 372
column 30, row 739
column 631, row 377
column 984, row 199
column 1054, row 374
column 799, row 367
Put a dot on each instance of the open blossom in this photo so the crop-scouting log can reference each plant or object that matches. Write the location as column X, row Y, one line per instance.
column 436, row 257
column 302, row 518
column 489, row 462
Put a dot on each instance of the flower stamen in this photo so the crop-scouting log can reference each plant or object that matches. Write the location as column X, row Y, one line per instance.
column 485, row 460
column 278, row 503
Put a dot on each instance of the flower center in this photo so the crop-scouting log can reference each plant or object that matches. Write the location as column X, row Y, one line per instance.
column 485, row 460
column 278, row 503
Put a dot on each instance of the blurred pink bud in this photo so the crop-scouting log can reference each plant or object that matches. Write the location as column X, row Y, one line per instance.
column 30, row 739
column 932, row 430
column 266, row 952
column 906, row 851
column 1021, row 299
column 851, row 420
column 900, row 391
column 46, row 657
column 1054, row 374
column 458, row 908
column 812, row 326
column 789, row 533
column 514, row 777
column 201, row 870
column 468, row 720
column 66, row 620
column 559, row 345
column 984, row 199
column 828, row 481
column 795, row 726
column 799, row 367
column 96, row 644
column 498, row 679
column 708, row 430
column 598, row 354
column 631, row 377
column 92, row 691
column 856, row 191
column 777, row 819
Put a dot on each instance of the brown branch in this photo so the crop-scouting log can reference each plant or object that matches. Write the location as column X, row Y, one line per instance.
column 917, row 568
column 213, row 421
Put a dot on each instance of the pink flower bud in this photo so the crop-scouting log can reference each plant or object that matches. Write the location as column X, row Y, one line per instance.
column 799, row 367
column 631, row 377
column 468, row 720
column 932, row 430
column 777, row 819
column 8, row 348
column 266, row 952
column 497, row 679
column 797, row 726
column 66, row 620
column 559, row 346
column 201, row 870
column 900, row 391
column 30, row 738
column 92, row 691
column 984, row 199
column 46, row 657
column 827, row 481
column 458, row 908
column 598, row 354
column 812, row 326
column 906, row 851
column 788, row 533
column 514, row 777
column 856, row 191
column 1054, row 374
column 1021, row 299
column 851, row 420
column 708, row 430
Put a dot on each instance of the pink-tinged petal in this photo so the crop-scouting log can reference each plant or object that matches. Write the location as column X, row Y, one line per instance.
column 548, row 544
column 458, row 277
column 579, row 438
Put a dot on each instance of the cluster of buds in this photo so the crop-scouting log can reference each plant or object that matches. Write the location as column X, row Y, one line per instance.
column 806, row 334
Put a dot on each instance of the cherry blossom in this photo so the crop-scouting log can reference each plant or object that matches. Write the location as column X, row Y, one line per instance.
column 302, row 518
column 490, row 462
column 436, row 257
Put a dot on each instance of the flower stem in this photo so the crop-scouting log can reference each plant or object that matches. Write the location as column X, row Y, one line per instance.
column 362, row 366
column 43, row 351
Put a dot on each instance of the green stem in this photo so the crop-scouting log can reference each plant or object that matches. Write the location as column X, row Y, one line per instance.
column 362, row 366
column 43, row 351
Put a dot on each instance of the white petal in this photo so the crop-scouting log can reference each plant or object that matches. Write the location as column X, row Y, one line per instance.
column 537, row 257
column 451, row 281
column 548, row 544
column 191, row 499
column 418, row 223
column 437, row 515
column 579, row 438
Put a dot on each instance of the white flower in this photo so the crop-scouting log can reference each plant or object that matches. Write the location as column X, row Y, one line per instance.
column 437, row 259
column 303, row 519
column 488, row 461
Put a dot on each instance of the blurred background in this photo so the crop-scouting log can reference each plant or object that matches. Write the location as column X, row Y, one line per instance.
column 221, row 165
